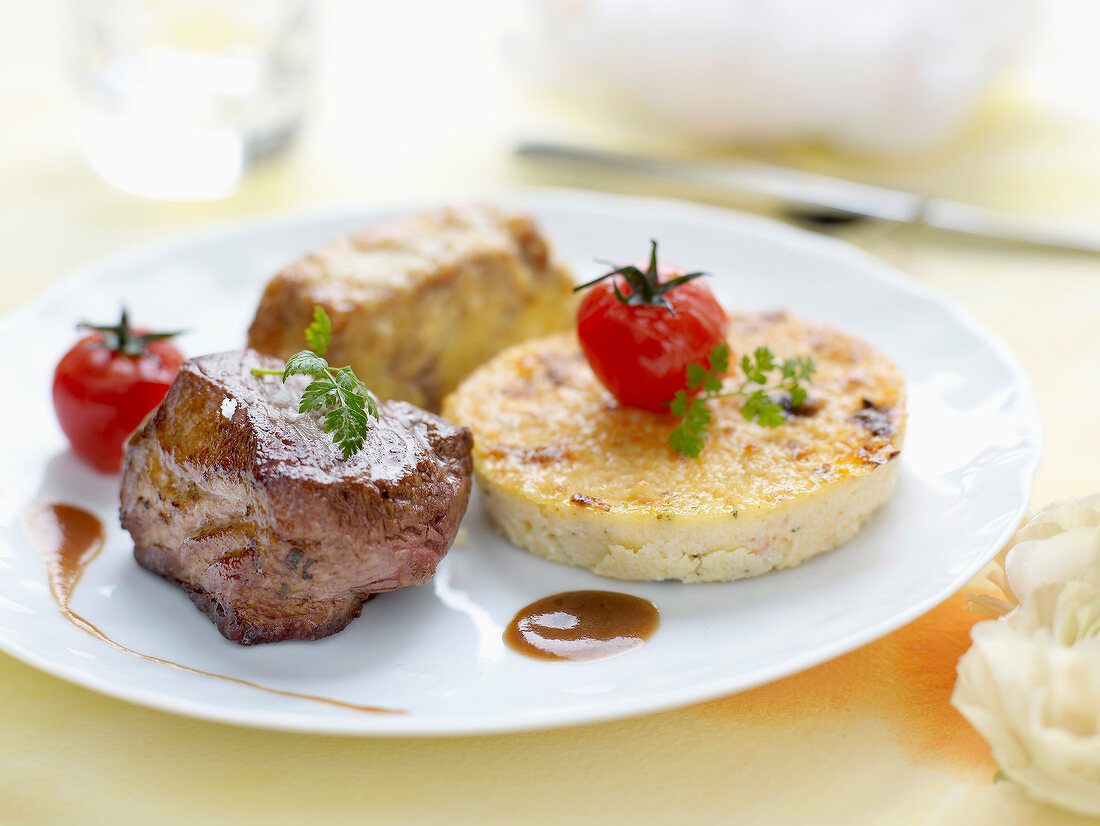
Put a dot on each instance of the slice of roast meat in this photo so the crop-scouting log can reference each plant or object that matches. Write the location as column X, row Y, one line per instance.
column 248, row 506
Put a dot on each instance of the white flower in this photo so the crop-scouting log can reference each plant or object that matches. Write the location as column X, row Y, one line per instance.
column 1057, row 544
column 1030, row 683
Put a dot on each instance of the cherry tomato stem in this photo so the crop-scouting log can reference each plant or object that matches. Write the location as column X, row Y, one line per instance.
column 640, row 351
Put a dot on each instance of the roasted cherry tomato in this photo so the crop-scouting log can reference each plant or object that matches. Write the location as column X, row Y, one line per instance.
column 107, row 383
column 641, row 329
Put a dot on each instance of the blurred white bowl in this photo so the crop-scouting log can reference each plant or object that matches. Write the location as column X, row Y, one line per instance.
column 871, row 75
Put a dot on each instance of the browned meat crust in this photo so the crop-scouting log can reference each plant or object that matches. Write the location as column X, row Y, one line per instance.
column 419, row 302
column 248, row 506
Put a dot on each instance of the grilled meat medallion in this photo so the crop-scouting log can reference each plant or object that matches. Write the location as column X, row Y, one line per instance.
column 248, row 506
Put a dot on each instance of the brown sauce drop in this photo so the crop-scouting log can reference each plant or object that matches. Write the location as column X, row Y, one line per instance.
column 582, row 625
column 68, row 538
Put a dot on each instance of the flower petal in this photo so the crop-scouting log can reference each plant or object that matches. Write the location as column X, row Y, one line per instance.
column 1058, row 557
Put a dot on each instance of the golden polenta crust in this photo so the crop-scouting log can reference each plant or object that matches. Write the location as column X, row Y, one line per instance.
column 568, row 473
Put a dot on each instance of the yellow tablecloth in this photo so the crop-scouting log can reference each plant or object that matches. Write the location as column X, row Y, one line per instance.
column 869, row 738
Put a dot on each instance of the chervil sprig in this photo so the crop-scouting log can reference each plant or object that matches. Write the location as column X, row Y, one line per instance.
column 705, row 383
column 343, row 401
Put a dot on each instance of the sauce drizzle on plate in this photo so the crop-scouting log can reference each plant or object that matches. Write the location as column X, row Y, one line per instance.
column 582, row 625
column 68, row 538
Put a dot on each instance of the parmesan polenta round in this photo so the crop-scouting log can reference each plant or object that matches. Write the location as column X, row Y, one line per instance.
column 569, row 474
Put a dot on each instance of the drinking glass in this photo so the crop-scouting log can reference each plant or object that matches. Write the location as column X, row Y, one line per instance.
column 174, row 99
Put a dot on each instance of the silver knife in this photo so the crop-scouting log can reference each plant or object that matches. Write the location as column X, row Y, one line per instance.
column 808, row 190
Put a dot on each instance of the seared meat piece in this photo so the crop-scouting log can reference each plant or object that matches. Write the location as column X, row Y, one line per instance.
column 417, row 303
column 247, row 505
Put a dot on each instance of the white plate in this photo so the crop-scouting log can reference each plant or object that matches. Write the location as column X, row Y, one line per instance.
column 971, row 449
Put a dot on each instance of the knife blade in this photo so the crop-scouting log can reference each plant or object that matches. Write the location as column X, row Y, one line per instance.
column 796, row 188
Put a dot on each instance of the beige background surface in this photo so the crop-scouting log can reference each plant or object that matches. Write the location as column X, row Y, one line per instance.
column 417, row 99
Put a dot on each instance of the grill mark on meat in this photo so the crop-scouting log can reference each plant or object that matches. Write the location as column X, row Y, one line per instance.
column 278, row 536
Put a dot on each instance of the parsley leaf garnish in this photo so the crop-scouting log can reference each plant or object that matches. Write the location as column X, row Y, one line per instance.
column 705, row 383
column 343, row 401
column 319, row 333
